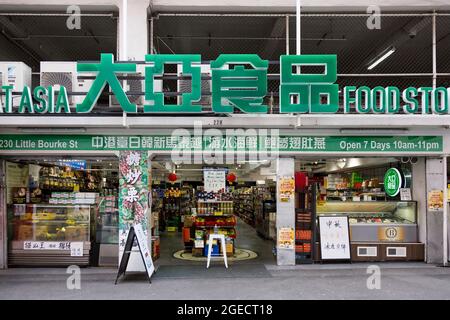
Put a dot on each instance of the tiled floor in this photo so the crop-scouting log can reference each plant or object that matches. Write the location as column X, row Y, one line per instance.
column 246, row 239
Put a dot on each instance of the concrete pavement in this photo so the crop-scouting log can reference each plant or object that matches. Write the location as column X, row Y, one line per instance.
column 336, row 281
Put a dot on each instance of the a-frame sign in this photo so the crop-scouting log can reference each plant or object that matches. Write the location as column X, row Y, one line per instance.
column 136, row 232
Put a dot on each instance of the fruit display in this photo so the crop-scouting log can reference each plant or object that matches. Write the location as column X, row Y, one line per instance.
column 51, row 223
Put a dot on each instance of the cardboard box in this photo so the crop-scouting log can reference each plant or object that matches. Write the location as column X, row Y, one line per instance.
column 188, row 221
column 197, row 252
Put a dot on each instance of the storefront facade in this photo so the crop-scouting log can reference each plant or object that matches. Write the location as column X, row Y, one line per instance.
column 352, row 130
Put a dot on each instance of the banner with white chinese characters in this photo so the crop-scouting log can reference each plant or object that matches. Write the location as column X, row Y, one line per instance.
column 133, row 197
column 235, row 143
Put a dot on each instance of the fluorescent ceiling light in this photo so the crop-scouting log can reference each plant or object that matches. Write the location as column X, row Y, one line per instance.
column 381, row 58
column 53, row 130
column 373, row 131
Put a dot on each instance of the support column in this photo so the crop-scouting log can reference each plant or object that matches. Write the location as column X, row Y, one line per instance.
column 3, row 221
column 436, row 176
column 419, row 192
column 133, row 201
column 133, row 29
column 285, row 211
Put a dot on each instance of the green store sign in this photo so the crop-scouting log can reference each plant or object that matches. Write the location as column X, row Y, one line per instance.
column 239, row 81
column 237, row 143
column 392, row 182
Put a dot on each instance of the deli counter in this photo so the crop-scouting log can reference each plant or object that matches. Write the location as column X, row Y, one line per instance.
column 379, row 230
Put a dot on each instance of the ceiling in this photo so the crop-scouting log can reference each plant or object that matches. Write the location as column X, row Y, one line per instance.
column 35, row 38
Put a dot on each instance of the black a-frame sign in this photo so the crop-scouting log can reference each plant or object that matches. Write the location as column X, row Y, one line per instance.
column 135, row 232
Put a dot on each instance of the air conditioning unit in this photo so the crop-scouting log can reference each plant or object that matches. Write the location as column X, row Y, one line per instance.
column 396, row 252
column 367, row 251
column 184, row 85
column 133, row 85
column 64, row 73
column 15, row 74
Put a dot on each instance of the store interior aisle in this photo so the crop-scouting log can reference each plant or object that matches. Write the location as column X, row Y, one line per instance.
column 247, row 238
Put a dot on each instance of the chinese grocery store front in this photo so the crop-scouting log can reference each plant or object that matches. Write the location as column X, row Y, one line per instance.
column 77, row 208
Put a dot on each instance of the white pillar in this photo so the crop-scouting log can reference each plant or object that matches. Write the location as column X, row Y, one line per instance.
column 436, row 180
column 419, row 191
column 3, row 221
column 285, row 210
column 133, row 29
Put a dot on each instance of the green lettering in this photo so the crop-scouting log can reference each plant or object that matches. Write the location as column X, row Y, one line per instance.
column 425, row 99
column 62, row 101
column 360, row 108
column 26, row 101
column 38, row 93
column 8, row 98
column 411, row 103
column 440, row 100
column 392, row 99
column 378, row 100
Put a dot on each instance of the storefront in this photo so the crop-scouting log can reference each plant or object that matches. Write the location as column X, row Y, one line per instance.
column 74, row 209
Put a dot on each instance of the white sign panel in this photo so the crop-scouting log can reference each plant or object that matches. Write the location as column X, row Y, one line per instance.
column 214, row 180
column 334, row 238
column 46, row 245
column 76, row 249
column 141, row 237
column 405, row 194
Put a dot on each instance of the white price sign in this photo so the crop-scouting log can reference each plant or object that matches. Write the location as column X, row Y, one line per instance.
column 76, row 249
column 334, row 238
column 214, row 180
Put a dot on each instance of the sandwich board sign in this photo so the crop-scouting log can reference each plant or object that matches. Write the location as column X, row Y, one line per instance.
column 334, row 238
column 136, row 232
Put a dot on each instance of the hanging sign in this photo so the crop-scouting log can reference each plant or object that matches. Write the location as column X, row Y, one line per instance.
column 233, row 87
column 334, row 238
column 214, row 180
column 392, row 182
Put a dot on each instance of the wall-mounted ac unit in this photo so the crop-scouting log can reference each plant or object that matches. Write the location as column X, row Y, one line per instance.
column 135, row 86
column 64, row 73
column 184, row 85
column 15, row 74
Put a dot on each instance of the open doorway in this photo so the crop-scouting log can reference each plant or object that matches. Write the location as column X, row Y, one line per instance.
column 192, row 201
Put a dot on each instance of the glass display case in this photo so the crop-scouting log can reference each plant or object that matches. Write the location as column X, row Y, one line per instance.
column 107, row 230
column 107, row 221
column 49, row 234
column 46, row 222
column 390, row 221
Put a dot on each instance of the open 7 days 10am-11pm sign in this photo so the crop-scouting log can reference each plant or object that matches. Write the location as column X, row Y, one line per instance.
column 234, row 86
column 233, row 143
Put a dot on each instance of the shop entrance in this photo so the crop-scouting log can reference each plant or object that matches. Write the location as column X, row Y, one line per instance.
column 192, row 201
column 66, row 210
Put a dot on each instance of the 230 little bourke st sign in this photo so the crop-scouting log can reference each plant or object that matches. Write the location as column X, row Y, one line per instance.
column 238, row 81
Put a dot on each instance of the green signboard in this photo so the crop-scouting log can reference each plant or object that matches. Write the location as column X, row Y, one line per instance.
column 233, row 143
column 238, row 82
column 392, row 182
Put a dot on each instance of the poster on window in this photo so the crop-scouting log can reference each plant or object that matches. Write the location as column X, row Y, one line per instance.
column 286, row 189
column 214, row 180
column 436, row 200
column 286, row 238
column 334, row 238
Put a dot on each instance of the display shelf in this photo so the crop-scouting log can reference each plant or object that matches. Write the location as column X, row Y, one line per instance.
column 305, row 225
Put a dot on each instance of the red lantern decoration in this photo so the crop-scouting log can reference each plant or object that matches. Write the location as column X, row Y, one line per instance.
column 231, row 177
column 172, row 177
